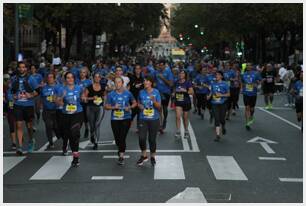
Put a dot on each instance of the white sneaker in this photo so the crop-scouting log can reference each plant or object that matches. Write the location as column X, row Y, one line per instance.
column 177, row 134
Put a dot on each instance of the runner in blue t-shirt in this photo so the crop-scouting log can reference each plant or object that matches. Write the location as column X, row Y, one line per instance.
column 250, row 80
column 120, row 101
column 183, row 88
column 24, row 89
column 201, row 90
column 219, row 91
column 48, row 95
column 69, row 97
column 164, row 82
column 149, row 103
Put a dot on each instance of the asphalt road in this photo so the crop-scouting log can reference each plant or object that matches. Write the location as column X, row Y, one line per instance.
column 269, row 168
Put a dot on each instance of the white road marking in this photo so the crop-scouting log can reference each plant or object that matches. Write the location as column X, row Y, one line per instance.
column 10, row 162
column 272, row 158
column 189, row 195
column 44, row 147
column 260, row 139
column 54, row 169
column 84, row 144
column 114, row 156
column 186, row 145
column 226, row 168
column 107, row 178
column 274, row 115
column 193, row 139
column 104, row 151
column 267, row 147
column 169, row 168
column 291, row 179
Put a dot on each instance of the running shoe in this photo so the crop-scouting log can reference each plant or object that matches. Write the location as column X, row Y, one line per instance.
column 223, row 130
column 31, row 145
column 252, row 119
column 178, row 134
column 50, row 146
column 267, row 107
column 270, row 106
column 13, row 147
column 248, row 127
column 141, row 160
column 19, row 151
column 95, row 147
column 153, row 161
column 75, row 162
column 120, row 161
column 161, row 131
column 217, row 139
column 186, row 135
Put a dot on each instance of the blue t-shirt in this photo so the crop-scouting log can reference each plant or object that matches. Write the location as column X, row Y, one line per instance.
column 38, row 78
column 228, row 75
column 123, row 100
column 182, row 97
column 219, row 87
column 57, row 92
column 9, row 98
column 76, row 72
column 25, row 101
column 47, row 95
column 298, row 87
column 211, row 78
column 160, row 84
column 43, row 72
column 249, row 80
column 149, row 112
column 200, row 80
column 72, row 99
column 84, row 83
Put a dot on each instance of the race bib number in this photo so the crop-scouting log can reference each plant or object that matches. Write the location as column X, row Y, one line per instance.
column 50, row 99
column 179, row 97
column 98, row 101
column 118, row 113
column 11, row 104
column 148, row 112
column 249, row 87
column 301, row 92
column 71, row 108
column 216, row 98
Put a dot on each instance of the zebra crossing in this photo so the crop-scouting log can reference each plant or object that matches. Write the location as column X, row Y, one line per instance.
column 168, row 167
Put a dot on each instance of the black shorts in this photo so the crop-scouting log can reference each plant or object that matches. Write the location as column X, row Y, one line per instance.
column 186, row 107
column 249, row 100
column 299, row 105
column 23, row 113
column 268, row 88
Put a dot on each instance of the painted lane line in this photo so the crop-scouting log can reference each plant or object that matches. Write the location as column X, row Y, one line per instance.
column 189, row 195
column 169, row 168
column 44, row 147
column 54, row 169
column 291, row 179
column 226, row 168
column 104, row 151
column 10, row 162
column 267, row 147
column 186, row 145
column 114, row 156
column 107, row 178
column 272, row 158
column 193, row 139
column 274, row 115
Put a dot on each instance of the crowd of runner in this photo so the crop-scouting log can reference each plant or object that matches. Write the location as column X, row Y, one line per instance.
column 76, row 94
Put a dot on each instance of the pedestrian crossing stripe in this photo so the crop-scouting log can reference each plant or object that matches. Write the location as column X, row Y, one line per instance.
column 10, row 162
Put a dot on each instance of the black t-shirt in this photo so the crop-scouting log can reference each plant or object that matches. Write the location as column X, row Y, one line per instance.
column 100, row 94
column 269, row 76
column 136, row 84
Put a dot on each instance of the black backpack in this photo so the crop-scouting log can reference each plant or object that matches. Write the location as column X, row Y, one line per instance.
column 15, row 84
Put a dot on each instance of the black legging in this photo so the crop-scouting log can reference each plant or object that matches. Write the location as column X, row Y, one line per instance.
column 72, row 126
column 219, row 111
column 148, row 128
column 49, row 117
column 120, row 129
column 165, row 103
column 234, row 97
column 95, row 116
column 201, row 101
column 11, row 120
